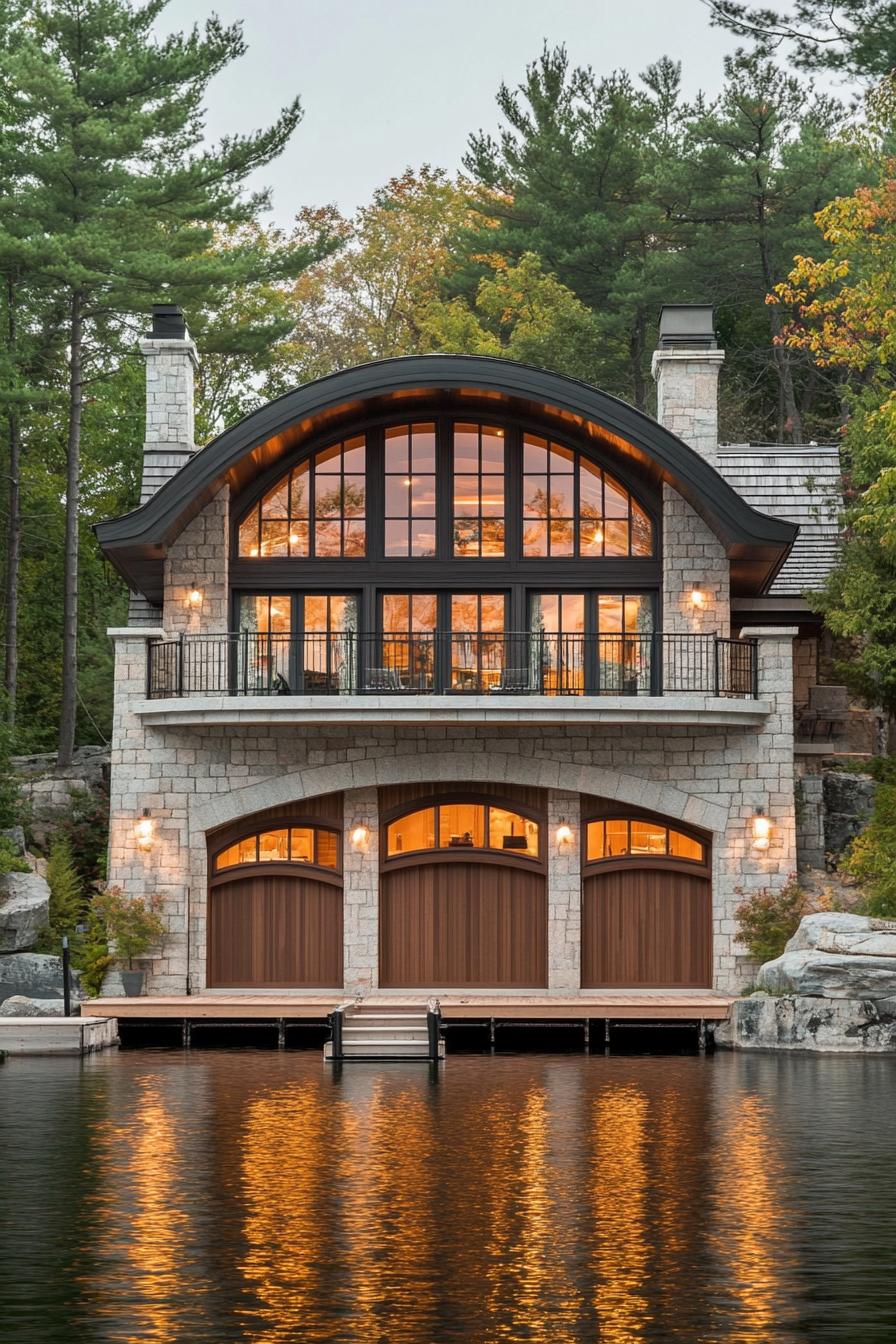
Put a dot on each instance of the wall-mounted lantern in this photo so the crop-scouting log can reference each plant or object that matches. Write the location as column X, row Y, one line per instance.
column 563, row 835
column 194, row 597
column 762, row 829
column 359, row 836
column 698, row 599
column 143, row 831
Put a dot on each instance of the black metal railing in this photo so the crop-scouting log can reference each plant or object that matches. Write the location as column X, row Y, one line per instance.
column 529, row 663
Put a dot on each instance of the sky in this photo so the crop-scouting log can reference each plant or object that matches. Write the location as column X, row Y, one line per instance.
column 390, row 83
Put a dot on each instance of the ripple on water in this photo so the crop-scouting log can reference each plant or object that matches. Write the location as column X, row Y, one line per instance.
column 220, row 1196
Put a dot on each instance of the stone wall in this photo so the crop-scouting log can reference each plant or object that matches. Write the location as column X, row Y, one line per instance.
column 198, row 560
column 193, row 780
column 687, row 396
column 693, row 558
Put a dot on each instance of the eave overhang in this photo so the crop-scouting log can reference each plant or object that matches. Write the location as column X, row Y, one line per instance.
column 136, row 543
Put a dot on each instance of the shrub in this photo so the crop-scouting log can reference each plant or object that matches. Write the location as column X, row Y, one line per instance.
column 86, row 827
column 766, row 919
column 133, row 924
column 94, row 957
column 66, row 891
column 10, row 861
column 871, row 858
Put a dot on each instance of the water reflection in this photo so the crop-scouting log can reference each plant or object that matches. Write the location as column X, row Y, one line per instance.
column 258, row 1197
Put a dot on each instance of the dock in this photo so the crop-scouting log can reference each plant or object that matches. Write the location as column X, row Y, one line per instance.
column 57, row 1035
column 600, row 1015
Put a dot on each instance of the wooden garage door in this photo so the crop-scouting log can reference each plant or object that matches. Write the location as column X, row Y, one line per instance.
column 276, row 931
column 646, row 928
column 463, row 925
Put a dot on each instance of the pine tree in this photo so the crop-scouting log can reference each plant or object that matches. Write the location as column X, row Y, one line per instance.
column 109, row 180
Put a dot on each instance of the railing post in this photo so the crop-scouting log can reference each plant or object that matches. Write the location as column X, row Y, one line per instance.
column 433, row 1020
column 245, row 639
column 180, row 663
column 715, row 670
column 336, row 1037
column 656, row 663
column 754, row 660
column 149, row 661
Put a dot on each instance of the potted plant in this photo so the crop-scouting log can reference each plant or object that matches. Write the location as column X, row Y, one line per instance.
column 134, row 925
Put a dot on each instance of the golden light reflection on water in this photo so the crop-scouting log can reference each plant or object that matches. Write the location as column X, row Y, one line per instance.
column 140, row 1187
column 619, row 1186
column 752, row 1228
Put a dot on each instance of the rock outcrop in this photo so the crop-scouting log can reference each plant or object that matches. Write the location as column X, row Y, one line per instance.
column 833, row 988
column 836, row 956
column 17, row 1005
column 24, row 910
column 835, row 1026
column 848, row 800
column 34, row 976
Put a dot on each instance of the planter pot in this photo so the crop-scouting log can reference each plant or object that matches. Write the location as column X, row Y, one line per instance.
column 133, row 983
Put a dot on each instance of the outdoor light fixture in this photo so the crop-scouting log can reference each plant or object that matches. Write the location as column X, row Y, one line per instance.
column 359, row 836
column 698, row 598
column 762, row 829
column 564, row 834
column 194, row 597
column 143, row 831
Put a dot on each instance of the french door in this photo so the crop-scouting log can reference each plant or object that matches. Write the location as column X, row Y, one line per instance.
column 442, row 641
column 593, row 643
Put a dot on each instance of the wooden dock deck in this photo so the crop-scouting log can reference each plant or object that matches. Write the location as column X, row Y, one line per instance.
column 615, row 1005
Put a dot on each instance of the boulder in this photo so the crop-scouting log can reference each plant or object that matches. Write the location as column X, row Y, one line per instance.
column 20, row 1006
column 24, row 910
column 35, row 976
column 813, row 927
column 860, row 942
column 848, row 800
column 837, row 1026
column 826, row 975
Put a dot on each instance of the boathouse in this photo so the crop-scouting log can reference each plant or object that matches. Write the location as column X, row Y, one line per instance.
column 451, row 673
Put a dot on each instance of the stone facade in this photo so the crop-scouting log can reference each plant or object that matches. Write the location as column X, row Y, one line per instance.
column 699, row 766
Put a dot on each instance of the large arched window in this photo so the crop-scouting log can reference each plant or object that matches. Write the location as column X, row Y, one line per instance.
column 444, row 489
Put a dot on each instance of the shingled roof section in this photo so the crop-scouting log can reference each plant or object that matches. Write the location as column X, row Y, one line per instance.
column 801, row 485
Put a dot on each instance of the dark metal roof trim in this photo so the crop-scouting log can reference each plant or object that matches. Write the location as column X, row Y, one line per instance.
column 136, row 541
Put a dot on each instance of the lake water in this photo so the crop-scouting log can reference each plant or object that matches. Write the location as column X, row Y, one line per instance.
column 234, row 1195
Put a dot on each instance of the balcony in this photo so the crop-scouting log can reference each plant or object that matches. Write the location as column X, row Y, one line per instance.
column 452, row 677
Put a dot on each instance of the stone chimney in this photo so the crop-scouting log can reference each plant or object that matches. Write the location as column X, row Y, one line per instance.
column 171, row 361
column 686, row 369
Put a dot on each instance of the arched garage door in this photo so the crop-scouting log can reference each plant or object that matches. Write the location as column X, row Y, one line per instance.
column 646, row 906
column 275, row 910
column 463, row 900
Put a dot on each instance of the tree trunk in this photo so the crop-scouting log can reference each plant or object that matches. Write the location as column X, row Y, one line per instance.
column 13, row 556
column 636, row 355
column 72, row 484
column 14, row 537
column 785, row 375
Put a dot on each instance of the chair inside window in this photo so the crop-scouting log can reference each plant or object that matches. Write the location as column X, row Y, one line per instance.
column 512, row 681
column 384, row 679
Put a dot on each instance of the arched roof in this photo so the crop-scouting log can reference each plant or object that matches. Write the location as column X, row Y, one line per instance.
column 136, row 543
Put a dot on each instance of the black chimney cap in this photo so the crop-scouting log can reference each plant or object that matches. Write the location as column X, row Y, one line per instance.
column 687, row 326
column 168, row 322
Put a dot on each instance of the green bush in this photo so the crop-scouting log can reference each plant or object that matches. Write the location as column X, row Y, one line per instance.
column 132, row 923
column 67, row 896
column 86, row 827
column 766, row 919
column 871, row 858
column 94, row 957
column 10, row 861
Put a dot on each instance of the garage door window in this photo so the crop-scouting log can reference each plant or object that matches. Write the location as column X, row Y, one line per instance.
column 283, row 844
column 463, row 826
column 638, row 837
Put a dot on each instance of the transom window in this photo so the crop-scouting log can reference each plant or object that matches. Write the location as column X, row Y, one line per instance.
column 636, row 837
column 409, row 462
column 284, row 844
column 463, row 826
column 319, row 512
column 479, row 468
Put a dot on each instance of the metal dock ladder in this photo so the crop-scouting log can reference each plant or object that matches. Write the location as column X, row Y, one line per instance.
column 369, row 1030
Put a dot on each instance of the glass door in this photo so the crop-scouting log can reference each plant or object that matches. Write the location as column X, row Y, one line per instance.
column 478, row 661
column 592, row 643
column 408, row 661
column 329, row 643
column 558, row 642
column 624, row 643
column 264, row 662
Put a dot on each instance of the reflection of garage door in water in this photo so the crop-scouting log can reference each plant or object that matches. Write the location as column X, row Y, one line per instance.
column 275, row 911
column 450, row 917
column 646, row 907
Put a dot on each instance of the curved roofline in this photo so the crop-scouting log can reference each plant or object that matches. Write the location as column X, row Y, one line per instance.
column 151, row 527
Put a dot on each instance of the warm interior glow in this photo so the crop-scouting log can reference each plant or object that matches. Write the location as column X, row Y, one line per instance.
column 463, row 826
column 762, row 829
column 294, row 844
column 631, row 838
column 143, row 832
